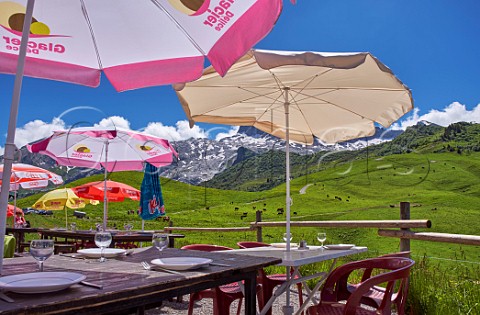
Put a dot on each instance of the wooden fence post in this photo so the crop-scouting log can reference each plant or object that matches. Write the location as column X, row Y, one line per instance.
column 258, row 218
column 405, row 215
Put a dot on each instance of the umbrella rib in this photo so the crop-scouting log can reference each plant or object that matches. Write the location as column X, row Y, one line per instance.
column 89, row 24
column 295, row 101
column 342, row 107
column 194, row 43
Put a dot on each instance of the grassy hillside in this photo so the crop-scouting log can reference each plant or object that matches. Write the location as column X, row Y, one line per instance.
column 442, row 187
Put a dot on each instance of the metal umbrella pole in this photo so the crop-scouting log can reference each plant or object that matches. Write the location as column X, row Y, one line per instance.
column 287, row 309
column 12, row 124
column 105, row 199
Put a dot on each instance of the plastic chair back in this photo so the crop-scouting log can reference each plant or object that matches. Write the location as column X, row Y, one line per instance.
column 246, row 244
column 392, row 269
column 206, row 247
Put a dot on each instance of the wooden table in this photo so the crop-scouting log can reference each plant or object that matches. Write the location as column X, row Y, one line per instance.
column 294, row 259
column 127, row 287
column 117, row 236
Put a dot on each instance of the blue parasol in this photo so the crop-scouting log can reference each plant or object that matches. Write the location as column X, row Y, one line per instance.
column 151, row 200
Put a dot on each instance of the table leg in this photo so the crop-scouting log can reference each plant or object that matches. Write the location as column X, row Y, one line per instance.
column 250, row 293
column 311, row 293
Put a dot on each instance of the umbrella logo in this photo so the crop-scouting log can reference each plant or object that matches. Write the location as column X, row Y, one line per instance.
column 190, row 7
column 217, row 17
column 81, row 151
column 144, row 147
column 12, row 16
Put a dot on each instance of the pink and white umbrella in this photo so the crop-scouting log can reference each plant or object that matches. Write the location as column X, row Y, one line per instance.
column 111, row 149
column 135, row 43
column 29, row 177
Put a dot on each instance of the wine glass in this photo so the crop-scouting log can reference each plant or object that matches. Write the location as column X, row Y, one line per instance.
column 160, row 240
column 41, row 250
column 285, row 236
column 103, row 240
column 322, row 237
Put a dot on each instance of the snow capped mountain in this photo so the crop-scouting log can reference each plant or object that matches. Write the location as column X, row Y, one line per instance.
column 200, row 159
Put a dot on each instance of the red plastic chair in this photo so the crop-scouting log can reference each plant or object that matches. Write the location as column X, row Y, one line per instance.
column 222, row 296
column 269, row 282
column 391, row 270
column 374, row 297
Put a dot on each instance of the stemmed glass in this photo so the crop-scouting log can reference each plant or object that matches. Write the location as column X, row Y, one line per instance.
column 103, row 240
column 41, row 250
column 322, row 237
column 160, row 240
column 285, row 237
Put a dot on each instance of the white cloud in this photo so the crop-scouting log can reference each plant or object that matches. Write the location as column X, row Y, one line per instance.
column 114, row 121
column 454, row 112
column 231, row 132
column 36, row 130
column 181, row 131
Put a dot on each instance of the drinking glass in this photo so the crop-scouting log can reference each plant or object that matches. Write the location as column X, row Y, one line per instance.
column 322, row 237
column 160, row 240
column 103, row 240
column 285, row 237
column 41, row 250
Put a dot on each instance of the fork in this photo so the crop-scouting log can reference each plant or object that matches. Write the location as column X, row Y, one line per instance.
column 147, row 266
column 6, row 298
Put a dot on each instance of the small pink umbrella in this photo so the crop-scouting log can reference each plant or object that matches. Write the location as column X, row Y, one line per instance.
column 113, row 149
column 29, row 177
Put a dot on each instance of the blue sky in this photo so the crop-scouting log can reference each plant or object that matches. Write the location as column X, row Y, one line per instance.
column 433, row 46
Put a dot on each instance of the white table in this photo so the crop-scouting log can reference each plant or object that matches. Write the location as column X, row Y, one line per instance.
column 294, row 259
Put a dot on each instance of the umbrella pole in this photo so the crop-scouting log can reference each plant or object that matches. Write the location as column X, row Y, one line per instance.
column 12, row 123
column 105, row 199
column 14, row 207
column 287, row 309
column 65, row 208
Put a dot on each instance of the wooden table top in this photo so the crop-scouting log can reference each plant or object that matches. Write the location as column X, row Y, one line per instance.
column 126, row 285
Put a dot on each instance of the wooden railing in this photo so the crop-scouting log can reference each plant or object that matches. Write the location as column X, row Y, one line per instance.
column 385, row 227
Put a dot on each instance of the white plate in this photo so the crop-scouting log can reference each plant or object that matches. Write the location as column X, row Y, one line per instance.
column 96, row 252
column 339, row 246
column 284, row 245
column 181, row 263
column 40, row 282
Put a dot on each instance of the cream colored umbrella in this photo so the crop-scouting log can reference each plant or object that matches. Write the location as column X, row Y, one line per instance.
column 61, row 199
column 298, row 96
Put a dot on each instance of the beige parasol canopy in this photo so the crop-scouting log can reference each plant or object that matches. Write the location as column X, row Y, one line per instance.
column 332, row 96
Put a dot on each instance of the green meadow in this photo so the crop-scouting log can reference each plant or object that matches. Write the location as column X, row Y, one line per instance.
column 441, row 187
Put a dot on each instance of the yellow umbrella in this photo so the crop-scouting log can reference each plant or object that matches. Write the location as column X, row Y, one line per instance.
column 61, row 199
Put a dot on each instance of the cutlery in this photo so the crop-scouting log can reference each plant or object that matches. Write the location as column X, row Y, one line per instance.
column 6, row 298
column 93, row 285
column 147, row 266
column 76, row 256
column 218, row 264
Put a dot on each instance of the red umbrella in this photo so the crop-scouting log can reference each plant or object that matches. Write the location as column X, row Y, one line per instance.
column 115, row 191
